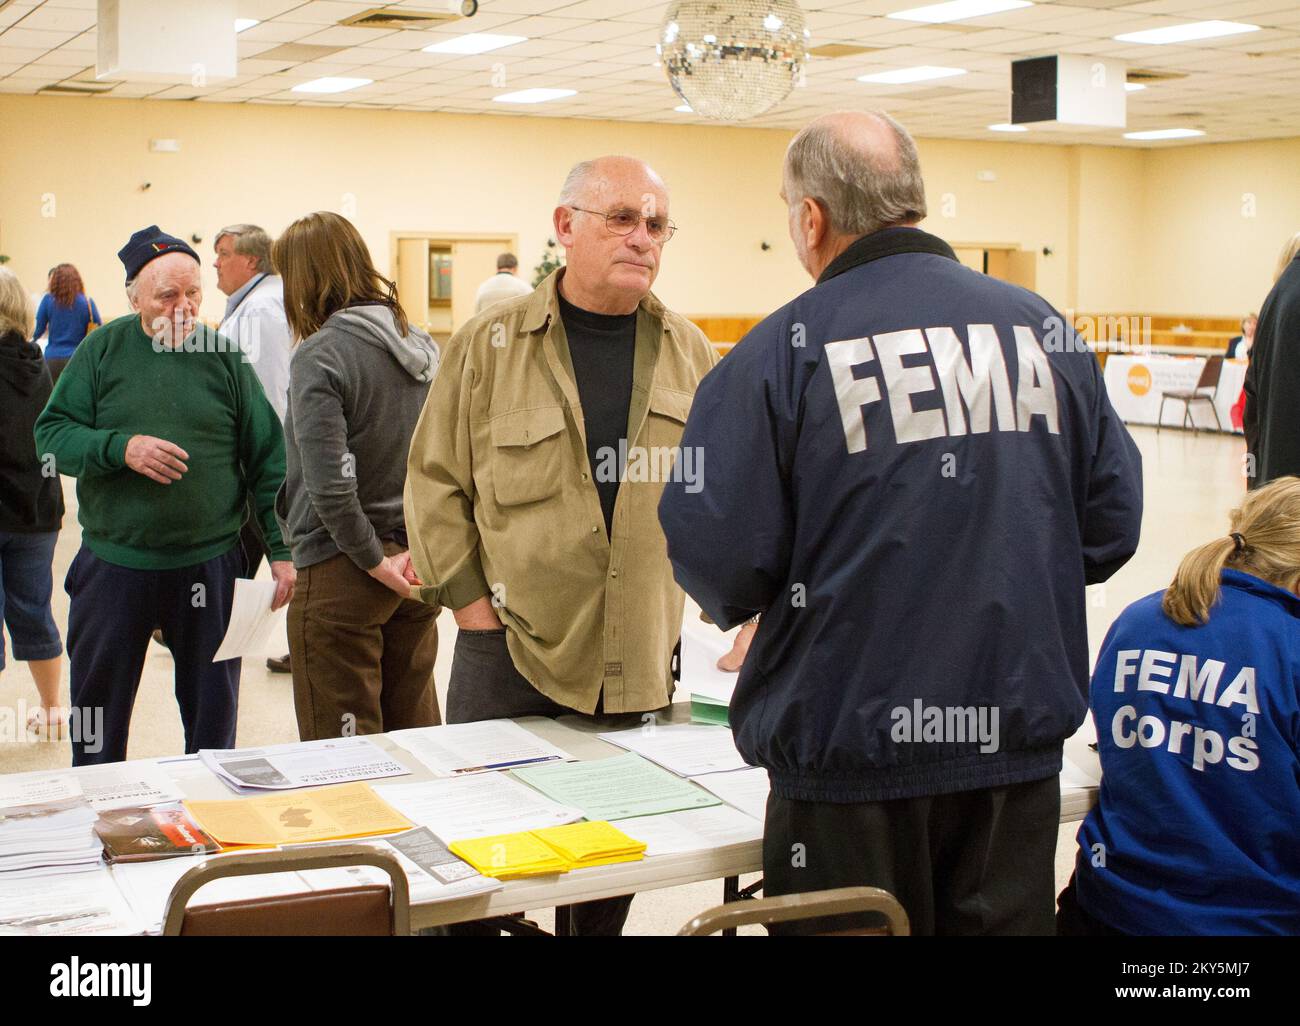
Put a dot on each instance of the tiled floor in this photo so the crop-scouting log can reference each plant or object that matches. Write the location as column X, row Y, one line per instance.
column 1191, row 481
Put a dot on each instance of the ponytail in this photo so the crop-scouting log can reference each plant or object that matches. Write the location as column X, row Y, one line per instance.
column 1264, row 542
column 1195, row 587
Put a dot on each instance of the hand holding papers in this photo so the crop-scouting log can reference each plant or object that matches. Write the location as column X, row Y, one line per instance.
column 327, row 814
column 251, row 620
column 687, row 749
column 617, row 788
column 461, row 748
column 303, row 764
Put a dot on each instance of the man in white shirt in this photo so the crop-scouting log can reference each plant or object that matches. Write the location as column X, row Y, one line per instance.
column 255, row 319
column 502, row 285
column 255, row 307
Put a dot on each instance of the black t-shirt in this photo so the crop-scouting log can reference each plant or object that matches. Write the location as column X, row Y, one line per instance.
column 602, row 348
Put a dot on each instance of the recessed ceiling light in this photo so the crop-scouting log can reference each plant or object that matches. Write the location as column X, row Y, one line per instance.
column 1188, row 32
column 534, row 95
column 1133, row 87
column 474, row 42
column 958, row 10
column 905, row 75
column 245, row 23
column 329, row 84
column 1008, row 128
column 1165, row 133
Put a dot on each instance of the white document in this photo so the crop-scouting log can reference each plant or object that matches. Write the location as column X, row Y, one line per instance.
column 702, row 646
column 461, row 748
column 38, row 789
column 745, row 790
column 337, row 760
column 687, row 749
column 147, row 886
column 475, row 806
column 1076, row 778
column 251, row 620
column 69, row 905
column 121, row 785
column 692, row 830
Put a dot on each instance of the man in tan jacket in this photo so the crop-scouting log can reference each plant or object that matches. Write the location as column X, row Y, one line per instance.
column 536, row 469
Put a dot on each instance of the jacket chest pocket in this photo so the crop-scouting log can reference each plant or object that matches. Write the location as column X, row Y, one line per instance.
column 528, row 455
column 667, row 417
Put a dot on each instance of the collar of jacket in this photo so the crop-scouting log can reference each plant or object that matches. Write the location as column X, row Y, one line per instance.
column 886, row 242
column 1247, row 582
column 545, row 304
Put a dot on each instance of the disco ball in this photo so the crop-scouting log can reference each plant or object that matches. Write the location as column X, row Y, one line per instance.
column 733, row 59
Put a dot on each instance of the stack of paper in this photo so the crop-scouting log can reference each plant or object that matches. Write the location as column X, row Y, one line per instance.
column 476, row 806
column 461, row 748
column 745, row 790
column 327, row 814
column 510, row 856
column 46, row 828
column 710, row 688
column 592, row 844
column 76, row 905
column 550, row 850
column 687, row 749
column 693, row 830
column 302, row 764
column 617, row 788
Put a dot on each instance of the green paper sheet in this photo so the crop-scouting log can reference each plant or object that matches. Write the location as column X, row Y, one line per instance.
column 616, row 788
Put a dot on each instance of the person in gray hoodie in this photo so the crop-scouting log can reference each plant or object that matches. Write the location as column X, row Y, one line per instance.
column 362, row 649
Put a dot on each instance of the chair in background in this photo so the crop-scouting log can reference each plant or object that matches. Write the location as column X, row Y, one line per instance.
column 364, row 910
column 812, row 905
column 1209, row 378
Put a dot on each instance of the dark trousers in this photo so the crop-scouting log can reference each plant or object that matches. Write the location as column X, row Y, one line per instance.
column 362, row 655
column 965, row 864
column 56, row 365
column 1073, row 921
column 113, row 612
column 485, row 685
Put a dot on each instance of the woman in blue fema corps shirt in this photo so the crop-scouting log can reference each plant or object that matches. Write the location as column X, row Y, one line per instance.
column 1196, row 697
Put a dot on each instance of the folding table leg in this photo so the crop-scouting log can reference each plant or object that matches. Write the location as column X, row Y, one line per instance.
column 564, row 920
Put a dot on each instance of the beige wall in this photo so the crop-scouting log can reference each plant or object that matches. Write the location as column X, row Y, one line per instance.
column 1151, row 230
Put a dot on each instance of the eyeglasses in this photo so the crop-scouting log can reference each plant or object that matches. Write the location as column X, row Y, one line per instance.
column 624, row 222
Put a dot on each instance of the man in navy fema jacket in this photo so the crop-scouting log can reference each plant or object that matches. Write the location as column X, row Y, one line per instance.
column 913, row 470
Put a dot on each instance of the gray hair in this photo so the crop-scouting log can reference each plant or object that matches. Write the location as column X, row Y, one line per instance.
column 507, row 261
column 250, row 241
column 862, row 191
column 575, row 183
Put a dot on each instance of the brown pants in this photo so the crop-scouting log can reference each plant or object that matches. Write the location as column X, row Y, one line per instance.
column 362, row 656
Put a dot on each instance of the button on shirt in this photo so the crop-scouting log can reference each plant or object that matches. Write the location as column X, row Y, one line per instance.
column 500, row 500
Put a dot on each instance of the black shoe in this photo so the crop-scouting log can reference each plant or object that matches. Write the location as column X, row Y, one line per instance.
column 280, row 665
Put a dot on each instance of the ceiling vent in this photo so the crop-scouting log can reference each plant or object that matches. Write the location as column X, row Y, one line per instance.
column 404, row 18
column 841, row 50
column 78, row 88
column 1148, row 75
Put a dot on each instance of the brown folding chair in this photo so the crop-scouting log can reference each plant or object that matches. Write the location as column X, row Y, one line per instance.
column 365, row 910
column 813, row 905
column 1209, row 378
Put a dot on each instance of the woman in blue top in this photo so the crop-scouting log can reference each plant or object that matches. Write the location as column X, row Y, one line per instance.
column 1196, row 697
column 68, row 314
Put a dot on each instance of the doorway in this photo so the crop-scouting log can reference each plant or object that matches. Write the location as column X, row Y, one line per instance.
column 1005, row 261
column 438, row 275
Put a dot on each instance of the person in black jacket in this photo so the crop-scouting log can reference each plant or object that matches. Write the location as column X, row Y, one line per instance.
column 913, row 471
column 31, row 508
column 1273, row 377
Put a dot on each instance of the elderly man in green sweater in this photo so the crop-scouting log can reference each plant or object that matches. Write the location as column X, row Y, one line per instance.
column 168, row 432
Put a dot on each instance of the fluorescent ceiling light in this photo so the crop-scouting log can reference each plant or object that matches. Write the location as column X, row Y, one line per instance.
column 1008, row 128
column 534, row 95
column 685, row 108
column 905, row 75
column 1133, row 87
column 1165, row 133
column 1188, row 32
column 959, row 10
column 474, row 42
column 331, row 85
column 245, row 23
